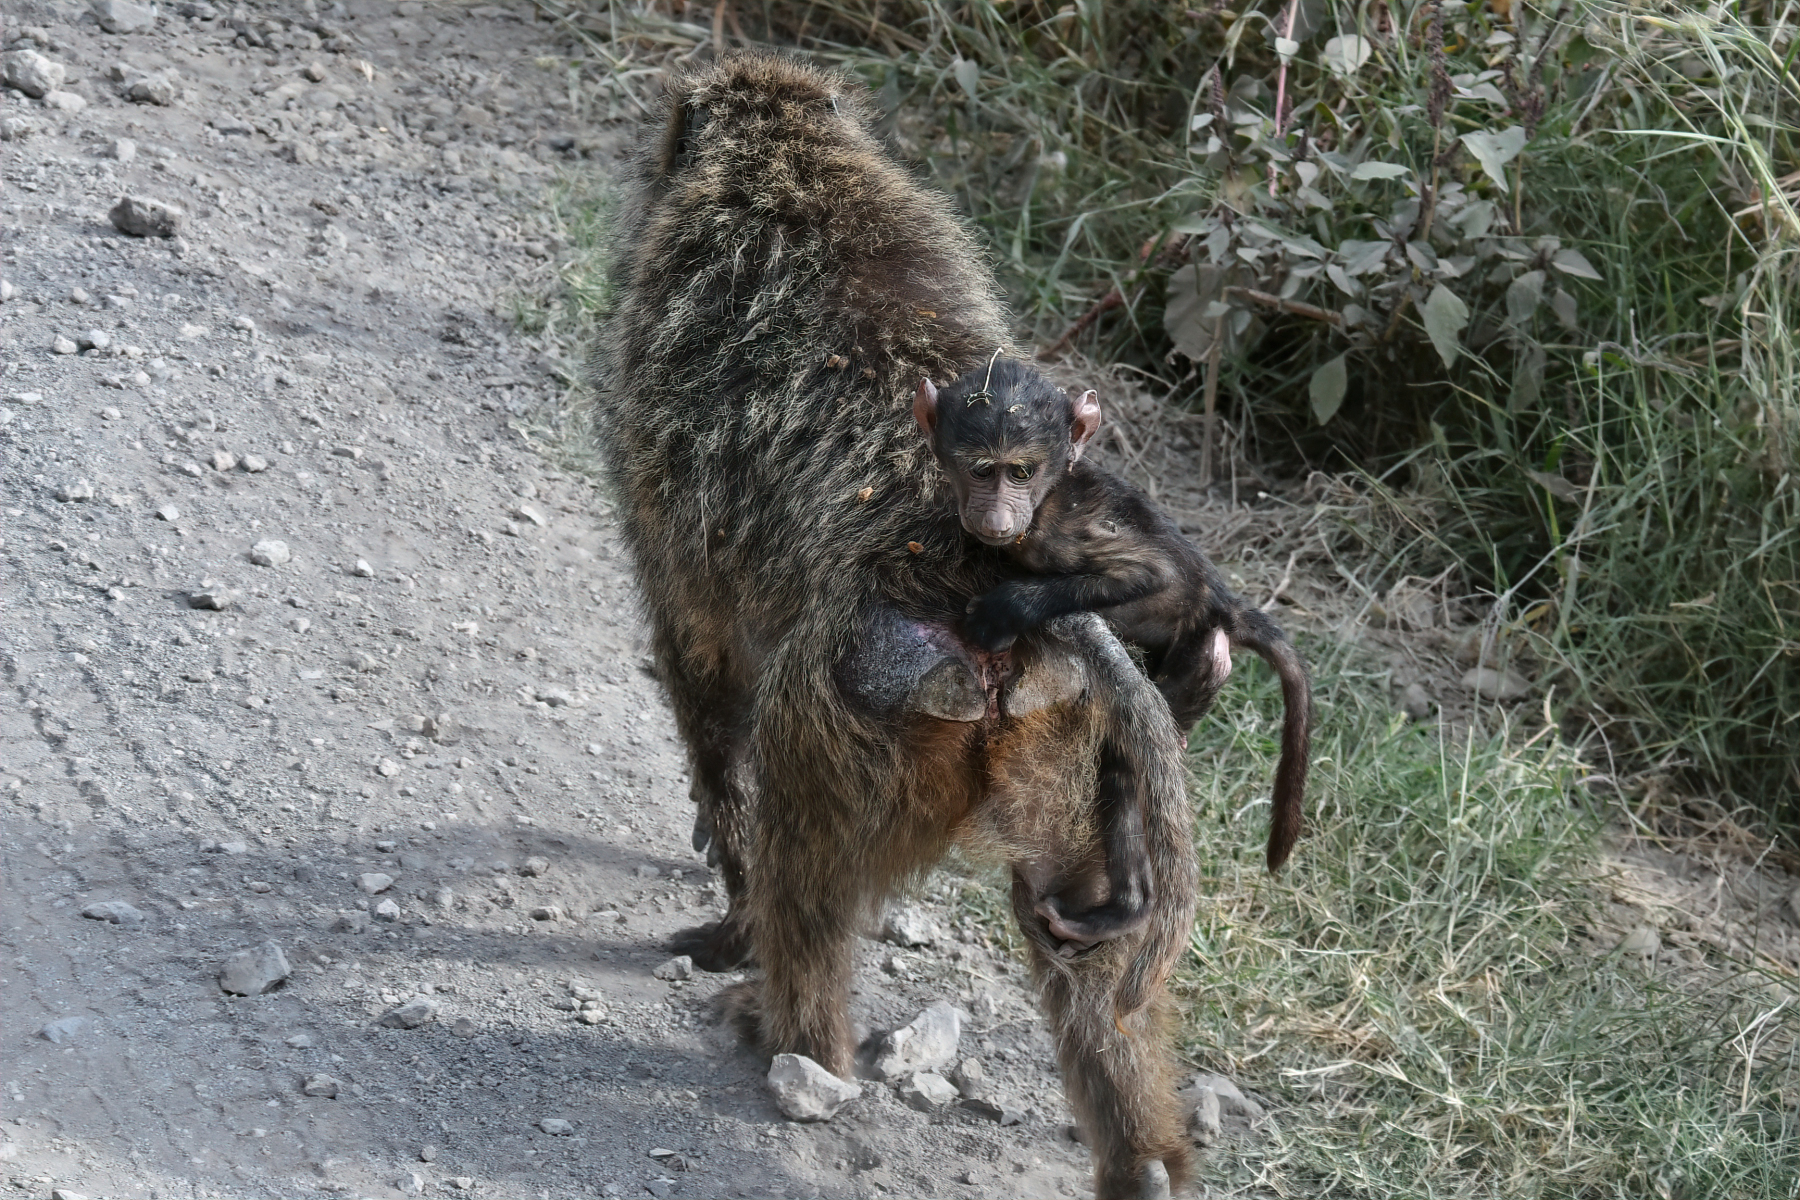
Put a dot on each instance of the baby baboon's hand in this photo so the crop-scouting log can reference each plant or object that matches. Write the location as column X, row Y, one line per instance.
column 992, row 624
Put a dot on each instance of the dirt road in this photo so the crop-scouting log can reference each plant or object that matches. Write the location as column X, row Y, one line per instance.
column 304, row 641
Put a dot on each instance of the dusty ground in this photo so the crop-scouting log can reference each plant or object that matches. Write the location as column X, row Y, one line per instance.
column 444, row 683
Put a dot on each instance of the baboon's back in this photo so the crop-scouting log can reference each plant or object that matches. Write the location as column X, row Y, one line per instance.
column 785, row 286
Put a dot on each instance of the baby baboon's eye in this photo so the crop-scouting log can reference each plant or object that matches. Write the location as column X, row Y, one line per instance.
column 982, row 470
column 1022, row 471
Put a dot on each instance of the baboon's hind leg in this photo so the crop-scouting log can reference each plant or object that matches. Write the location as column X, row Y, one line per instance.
column 1116, row 1069
column 712, row 716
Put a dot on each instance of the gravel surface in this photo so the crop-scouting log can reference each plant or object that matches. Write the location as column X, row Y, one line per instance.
column 321, row 683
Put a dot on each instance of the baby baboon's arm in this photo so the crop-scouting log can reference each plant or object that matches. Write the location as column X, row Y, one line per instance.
column 997, row 618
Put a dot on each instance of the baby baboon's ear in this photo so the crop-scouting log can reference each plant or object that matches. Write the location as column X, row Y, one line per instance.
column 925, row 408
column 1084, row 423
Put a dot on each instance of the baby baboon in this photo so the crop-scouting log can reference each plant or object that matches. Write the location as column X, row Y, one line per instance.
column 1011, row 444
column 783, row 285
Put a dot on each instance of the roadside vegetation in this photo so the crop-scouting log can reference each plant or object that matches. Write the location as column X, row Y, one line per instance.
column 1525, row 280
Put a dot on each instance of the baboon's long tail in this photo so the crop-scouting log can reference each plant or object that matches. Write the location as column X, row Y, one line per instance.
column 1254, row 629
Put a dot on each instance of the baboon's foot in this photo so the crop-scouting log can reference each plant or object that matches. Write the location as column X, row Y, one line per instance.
column 717, row 946
column 1153, row 1182
column 741, row 1005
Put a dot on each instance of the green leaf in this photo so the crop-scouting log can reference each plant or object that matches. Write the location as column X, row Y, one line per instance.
column 1563, row 305
column 968, row 74
column 1188, row 315
column 1327, row 389
column 1347, row 53
column 1523, row 295
column 1573, row 262
column 1445, row 317
column 1494, row 150
column 1379, row 170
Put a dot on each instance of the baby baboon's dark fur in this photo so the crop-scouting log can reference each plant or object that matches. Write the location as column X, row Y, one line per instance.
column 1011, row 444
column 784, row 284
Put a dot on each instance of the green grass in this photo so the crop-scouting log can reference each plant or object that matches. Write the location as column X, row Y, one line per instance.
column 1420, row 990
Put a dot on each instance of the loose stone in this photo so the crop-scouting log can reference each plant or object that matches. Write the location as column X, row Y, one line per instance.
column 254, row 971
column 117, row 912
column 411, row 1015
column 806, row 1091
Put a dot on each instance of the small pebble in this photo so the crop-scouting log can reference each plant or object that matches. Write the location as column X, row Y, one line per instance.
column 254, row 463
column 169, row 512
column 679, row 967
column 535, row 865
column 141, row 216
column 253, row 971
column 556, row 1126
column 374, row 882
column 428, row 1153
column 546, row 912
column 270, row 553
column 320, row 1085
column 80, row 489
column 411, row 1015
column 116, row 912
column 224, row 460
column 299, row 1041
column 62, row 345
column 363, row 569
column 388, row 911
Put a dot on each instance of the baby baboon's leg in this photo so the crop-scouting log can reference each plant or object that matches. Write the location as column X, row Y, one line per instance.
column 1191, row 672
column 1084, row 901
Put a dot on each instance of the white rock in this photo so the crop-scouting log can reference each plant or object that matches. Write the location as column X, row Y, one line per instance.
column 62, row 1030
column 69, row 102
column 925, row 1043
column 254, row 971
column 909, row 925
column 169, row 512
column 556, row 1126
column 927, row 1091
column 115, row 911
column 320, row 1085
column 679, row 967
column 31, row 72
column 153, row 89
column 806, row 1091
column 363, row 569
column 254, row 463
column 411, row 1015
column 122, row 16
column 387, row 911
column 374, row 882
column 141, row 216
column 1495, row 685
column 270, row 553
column 1231, row 1100
column 1203, row 1125
column 80, row 489
column 63, row 345
column 223, row 460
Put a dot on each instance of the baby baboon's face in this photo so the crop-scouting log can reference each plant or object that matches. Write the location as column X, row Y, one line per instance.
column 1005, row 437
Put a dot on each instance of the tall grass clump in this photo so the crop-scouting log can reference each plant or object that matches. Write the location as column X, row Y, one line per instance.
column 1428, row 990
column 1534, row 261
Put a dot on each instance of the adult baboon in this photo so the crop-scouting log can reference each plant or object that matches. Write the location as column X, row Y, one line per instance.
column 784, row 286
